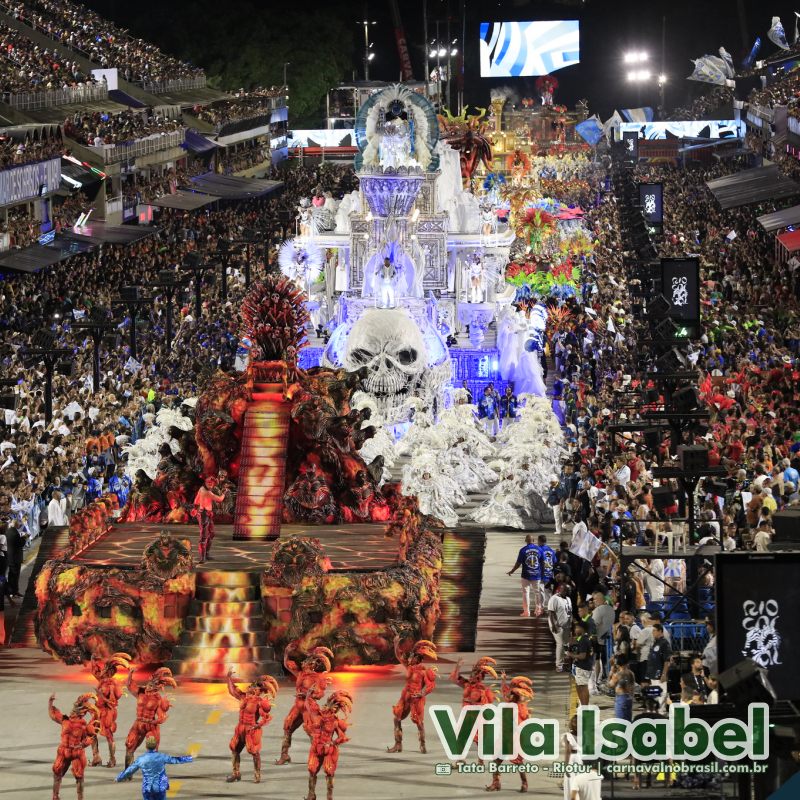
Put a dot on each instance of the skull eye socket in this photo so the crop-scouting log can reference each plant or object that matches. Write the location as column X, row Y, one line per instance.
column 361, row 356
column 407, row 356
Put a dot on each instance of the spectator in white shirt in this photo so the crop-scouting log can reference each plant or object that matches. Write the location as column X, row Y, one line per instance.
column 762, row 539
column 623, row 473
column 57, row 511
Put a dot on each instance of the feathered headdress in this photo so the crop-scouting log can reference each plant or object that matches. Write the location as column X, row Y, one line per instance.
column 301, row 262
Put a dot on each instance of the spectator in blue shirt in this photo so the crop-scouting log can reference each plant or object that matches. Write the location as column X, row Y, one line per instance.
column 790, row 474
column 531, row 576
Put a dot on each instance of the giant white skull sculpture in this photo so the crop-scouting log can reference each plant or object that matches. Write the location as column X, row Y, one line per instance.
column 390, row 345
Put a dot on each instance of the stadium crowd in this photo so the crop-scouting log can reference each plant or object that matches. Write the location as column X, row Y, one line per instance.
column 78, row 28
column 79, row 453
column 27, row 67
column 97, row 128
column 15, row 151
column 244, row 105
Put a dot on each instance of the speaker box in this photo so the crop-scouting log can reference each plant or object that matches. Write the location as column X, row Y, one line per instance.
column 663, row 497
column 693, row 458
column 787, row 525
column 129, row 293
column 658, row 307
column 746, row 683
column 652, row 439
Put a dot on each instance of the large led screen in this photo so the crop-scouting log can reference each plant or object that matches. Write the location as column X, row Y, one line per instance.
column 517, row 49
column 685, row 129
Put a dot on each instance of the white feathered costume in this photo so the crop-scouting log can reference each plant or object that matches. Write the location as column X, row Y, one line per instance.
column 372, row 152
column 530, row 451
column 143, row 454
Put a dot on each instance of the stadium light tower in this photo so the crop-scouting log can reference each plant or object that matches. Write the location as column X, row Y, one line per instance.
column 635, row 57
column 368, row 54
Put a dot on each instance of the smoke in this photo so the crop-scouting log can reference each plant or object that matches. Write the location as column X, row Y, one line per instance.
column 504, row 93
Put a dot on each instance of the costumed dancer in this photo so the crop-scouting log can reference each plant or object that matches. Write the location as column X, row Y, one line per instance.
column 312, row 678
column 203, row 509
column 476, row 282
column 508, row 407
column 420, row 682
column 474, row 691
column 77, row 733
column 108, row 695
column 152, row 709
column 153, row 766
column 326, row 726
column 489, row 411
column 519, row 692
column 388, row 279
column 435, row 490
column 254, row 707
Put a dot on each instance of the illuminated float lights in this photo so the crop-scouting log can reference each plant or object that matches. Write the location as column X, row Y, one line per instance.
column 262, row 465
column 221, row 633
column 460, row 589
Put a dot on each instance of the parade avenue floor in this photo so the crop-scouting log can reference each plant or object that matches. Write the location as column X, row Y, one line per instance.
column 203, row 716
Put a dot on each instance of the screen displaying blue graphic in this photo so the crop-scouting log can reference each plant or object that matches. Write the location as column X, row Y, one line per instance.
column 685, row 129
column 518, row 49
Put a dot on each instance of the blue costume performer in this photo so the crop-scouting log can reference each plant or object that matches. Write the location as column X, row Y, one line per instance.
column 154, row 775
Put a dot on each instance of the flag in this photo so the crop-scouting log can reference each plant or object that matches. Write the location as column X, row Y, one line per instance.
column 751, row 57
column 777, row 35
column 585, row 544
column 638, row 114
column 796, row 31
column 590, row 130
column 132, row 365
column 709, row 69
column 610, row 327
column 612, row 123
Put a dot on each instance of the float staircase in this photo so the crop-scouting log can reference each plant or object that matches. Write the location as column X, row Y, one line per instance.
column 262, row 465
column 224, row 629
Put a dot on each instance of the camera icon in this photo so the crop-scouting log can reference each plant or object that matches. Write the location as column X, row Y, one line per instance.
column 443, row 769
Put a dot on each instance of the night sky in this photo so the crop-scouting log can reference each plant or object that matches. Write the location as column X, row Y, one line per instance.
column 608, row 28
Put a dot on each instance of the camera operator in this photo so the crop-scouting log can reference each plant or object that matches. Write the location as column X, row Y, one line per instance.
column 658, row 661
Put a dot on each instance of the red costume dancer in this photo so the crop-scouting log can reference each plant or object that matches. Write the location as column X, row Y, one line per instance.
column 519, row 691
column 77, row 734
column 475, row 691
column 311, row 681
column 203, row 509
column 254, row 707
column 151, row 710
column 326, row 726
column 420, row 682
column 108, row 695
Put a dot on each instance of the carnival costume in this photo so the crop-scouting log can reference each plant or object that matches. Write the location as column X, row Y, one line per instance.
column 420, row 682
column 520, row 692
column 326, row 726
column 255, row 704
column 311, row 681
column 152, row 709
column 108, row 695
column 77, row 733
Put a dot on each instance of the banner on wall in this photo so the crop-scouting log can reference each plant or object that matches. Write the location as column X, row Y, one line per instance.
column 19, row 184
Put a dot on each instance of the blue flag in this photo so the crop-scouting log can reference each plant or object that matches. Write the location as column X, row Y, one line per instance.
column 590, row 130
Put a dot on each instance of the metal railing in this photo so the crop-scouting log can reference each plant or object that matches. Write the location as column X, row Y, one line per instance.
column 30, row 101
column 125, row 151
column 174, row 85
